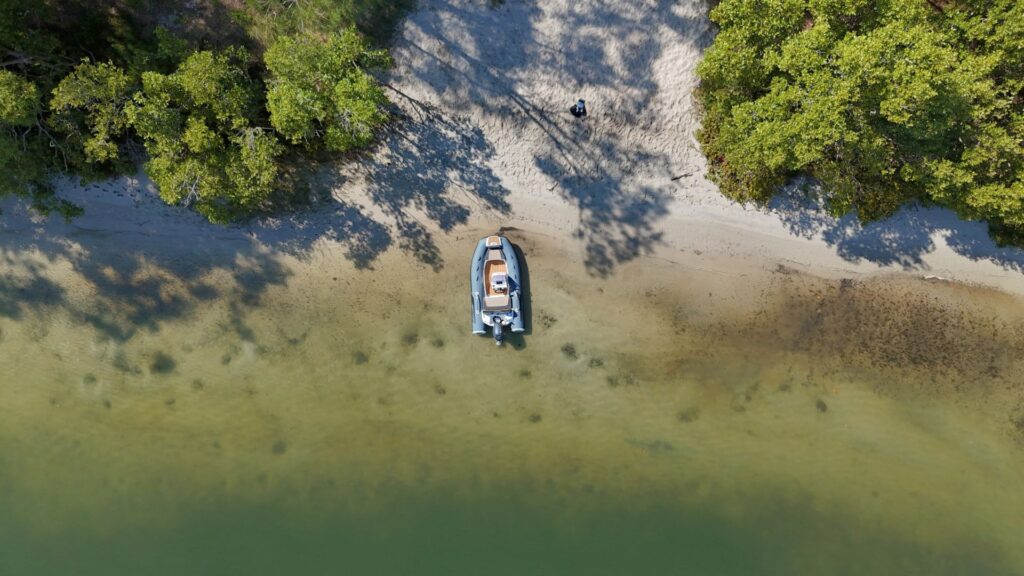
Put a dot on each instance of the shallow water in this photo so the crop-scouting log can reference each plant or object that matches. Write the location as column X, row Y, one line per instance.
column 271, row 415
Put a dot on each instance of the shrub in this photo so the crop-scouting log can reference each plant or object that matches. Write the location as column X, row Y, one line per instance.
column 881, row 100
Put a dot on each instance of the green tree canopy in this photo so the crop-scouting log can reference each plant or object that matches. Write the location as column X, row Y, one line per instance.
column 83, row 81
column 320, row 90
column 88, row 106
column 19, row 100
column 204, row 149
column 19, row 107
column 881, row 100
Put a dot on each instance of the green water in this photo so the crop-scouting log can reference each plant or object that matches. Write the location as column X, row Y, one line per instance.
column 254, row 413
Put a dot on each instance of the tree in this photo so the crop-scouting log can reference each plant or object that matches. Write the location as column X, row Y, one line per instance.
column 322, row 91
column 21, row 171
column 197, row 127
column 881, row 100
column 267, row 20
column 82, row 81
column 19, row 100
column 88, row 107
column 26, row 156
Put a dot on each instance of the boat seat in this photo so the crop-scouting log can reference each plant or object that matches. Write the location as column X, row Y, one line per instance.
column 499, row 283
column 497, row 302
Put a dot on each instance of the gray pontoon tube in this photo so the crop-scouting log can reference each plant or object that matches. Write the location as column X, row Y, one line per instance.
column 512, row 263
column 476, row 284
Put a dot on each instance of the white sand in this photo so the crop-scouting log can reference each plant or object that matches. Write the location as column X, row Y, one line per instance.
column 486, row 141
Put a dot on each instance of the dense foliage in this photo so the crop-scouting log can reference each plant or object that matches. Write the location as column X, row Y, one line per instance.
column 219, row 100
column 267, row 20
column 197, row 126
column 320, row 90
column 881, row 100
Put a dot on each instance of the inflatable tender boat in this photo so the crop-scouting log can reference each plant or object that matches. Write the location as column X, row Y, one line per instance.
column 495, row 288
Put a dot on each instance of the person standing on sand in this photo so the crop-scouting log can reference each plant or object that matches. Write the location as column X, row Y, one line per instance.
column 579, row 109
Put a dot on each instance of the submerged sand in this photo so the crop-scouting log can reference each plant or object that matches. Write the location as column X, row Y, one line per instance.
column 889, row 407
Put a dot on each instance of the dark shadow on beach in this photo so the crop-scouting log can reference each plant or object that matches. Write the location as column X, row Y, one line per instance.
column 586, row 159
column 134, row 282
column 903, row 239
column 297, row 233
column 431, row 165
column 427, row 172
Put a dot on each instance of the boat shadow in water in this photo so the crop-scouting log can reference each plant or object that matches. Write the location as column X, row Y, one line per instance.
column 517, row 340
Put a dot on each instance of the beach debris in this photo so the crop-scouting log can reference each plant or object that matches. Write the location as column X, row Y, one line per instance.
column 535, row 418
column 279, row 447
column 569, row 351
column 579, row 109
column 821, row 406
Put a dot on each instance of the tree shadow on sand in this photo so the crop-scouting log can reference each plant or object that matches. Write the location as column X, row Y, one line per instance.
column 130, row 287
column 428, row 170
column 479, row 57
column 903, row 239
column 435, row 165
column 335, row 220
column 431, row 168
column 616, row 227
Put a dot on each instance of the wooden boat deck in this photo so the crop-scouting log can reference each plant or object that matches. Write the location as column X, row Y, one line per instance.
column 495, row 264
column 490, row 269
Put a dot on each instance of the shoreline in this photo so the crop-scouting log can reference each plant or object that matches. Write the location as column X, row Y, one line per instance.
column 688, row 388
column 720, row 242
column 484, row 145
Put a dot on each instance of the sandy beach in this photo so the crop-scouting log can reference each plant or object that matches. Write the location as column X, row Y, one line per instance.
column 484, row 139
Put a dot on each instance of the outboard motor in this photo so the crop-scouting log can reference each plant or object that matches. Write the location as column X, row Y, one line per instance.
column 498, row 336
